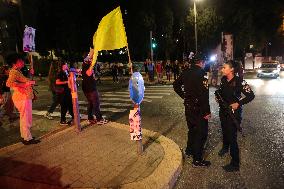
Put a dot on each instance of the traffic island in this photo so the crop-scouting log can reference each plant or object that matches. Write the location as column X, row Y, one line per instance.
column 97, row 157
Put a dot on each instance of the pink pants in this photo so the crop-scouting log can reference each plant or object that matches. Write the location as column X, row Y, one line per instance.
column 25, row 109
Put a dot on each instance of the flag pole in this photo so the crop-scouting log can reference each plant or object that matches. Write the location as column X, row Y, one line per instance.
column 139, row 143
column 129, row 60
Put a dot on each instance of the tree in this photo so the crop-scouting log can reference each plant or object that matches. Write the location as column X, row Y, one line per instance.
column 208, row 28
column 165, row 21
column 251, row 21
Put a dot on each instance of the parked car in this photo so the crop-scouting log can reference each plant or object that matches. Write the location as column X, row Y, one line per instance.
column 269, row 69
column 282, row 65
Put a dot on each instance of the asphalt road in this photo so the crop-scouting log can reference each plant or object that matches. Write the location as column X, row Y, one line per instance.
column 261, row 150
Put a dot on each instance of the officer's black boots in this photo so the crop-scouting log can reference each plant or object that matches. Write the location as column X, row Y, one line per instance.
column 201, row 163
column 231, row 167
column 223, row 151
column 188, row 152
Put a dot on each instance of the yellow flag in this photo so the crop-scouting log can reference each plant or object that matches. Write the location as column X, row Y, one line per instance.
column 110, row 34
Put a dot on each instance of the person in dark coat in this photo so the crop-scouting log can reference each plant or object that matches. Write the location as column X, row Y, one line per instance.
column 64, row 94
column 192, row 86
column 114, row 72
column 231, row 87
column 176, row 70
column 90, row 90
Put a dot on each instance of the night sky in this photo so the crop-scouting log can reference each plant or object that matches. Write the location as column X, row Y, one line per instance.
column 65, row 24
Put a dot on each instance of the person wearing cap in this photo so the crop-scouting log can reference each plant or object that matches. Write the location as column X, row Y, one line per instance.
column 192, row 86
column 230, row 89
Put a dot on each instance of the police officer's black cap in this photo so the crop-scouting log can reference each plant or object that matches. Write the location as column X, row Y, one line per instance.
column 197, row 59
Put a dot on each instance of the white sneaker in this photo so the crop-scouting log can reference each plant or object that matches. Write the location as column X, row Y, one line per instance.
column 48, row 116
column 102, row 122
column 92, row 121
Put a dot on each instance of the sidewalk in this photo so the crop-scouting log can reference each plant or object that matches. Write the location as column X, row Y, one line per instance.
column 98, row 157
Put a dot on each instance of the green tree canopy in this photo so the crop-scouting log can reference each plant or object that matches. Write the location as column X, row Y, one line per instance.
column 208, row 28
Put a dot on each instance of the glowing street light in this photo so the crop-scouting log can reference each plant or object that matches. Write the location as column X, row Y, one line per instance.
column 213, row 58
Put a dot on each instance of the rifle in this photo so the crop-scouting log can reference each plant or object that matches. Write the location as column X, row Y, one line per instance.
column 226, row 106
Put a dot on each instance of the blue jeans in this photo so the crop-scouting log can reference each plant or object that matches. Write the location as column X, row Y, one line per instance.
column 93, row 105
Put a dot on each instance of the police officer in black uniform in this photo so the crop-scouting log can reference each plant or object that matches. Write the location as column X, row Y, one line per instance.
column 192, row 86
column 231, row 87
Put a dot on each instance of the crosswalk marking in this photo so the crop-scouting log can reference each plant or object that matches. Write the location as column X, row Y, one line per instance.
column 127, row 96
column 157, row 90
column 146, row 93
column 116, row 104
column 116, row 101
column 82, row 102
column 109, row 103
column 56, row 114
column 116, row 110
column 160, row 86
column 124, row 100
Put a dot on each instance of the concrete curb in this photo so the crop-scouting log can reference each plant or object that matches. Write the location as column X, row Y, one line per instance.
column 167, row 172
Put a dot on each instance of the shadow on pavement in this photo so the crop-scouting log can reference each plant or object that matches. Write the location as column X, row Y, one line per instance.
column 16, row 174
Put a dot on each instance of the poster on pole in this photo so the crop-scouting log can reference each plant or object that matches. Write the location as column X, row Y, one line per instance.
column 136, row 93
column 135, row 124
column 228, row 47
column 29, row 39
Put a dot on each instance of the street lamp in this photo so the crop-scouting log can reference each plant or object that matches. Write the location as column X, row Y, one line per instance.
column 195, row 24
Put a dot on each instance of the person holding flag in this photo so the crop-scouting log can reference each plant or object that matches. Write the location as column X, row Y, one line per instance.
column 89, row 88
column 110, row 35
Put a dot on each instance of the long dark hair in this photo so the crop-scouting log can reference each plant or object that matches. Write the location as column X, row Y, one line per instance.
column 11, row 59
column 234, row 64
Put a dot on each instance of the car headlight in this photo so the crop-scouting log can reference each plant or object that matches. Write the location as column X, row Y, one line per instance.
column 275, row 71
column 259, row 71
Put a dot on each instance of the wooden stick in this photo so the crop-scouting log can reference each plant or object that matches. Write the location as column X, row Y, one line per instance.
column 129, row 60
column 30, row 58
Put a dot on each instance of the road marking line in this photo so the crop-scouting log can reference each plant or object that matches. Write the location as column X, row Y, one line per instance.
column 161, row 86
column 147, row 93
column 115, row 110
column 56, row 114
column 125, row 100
column 127, row 96
column 116, row 104
column 82, row 102
column 158, row 90
column 109, row 103
column 107, row 109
